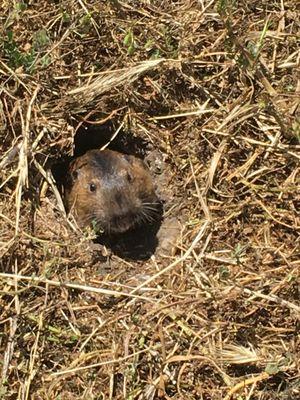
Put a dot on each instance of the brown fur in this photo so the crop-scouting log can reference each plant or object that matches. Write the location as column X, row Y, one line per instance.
column 113, row 191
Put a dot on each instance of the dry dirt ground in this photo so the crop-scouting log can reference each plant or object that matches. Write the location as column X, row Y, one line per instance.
column 207, row 91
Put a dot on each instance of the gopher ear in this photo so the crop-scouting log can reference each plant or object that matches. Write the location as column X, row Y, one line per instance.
column 74, row 172
column 74, row 175
column 135, row 160
column 75, row 168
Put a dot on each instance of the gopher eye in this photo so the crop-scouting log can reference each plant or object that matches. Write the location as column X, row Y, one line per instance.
column 92, row 187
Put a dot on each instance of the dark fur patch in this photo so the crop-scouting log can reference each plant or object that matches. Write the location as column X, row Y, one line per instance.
column 103, row 161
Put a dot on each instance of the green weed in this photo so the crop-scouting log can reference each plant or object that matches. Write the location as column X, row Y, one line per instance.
column 17, row 58
column 27, row 60
column 130, row 42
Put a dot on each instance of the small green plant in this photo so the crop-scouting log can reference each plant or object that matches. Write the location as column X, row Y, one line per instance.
column 130, row 42
column 272, row 368
column 40, row 40
column 170, row 42
column 85, row 23
column 255, row 48
column 150, row 47
column 155, row 54
column 65, row 16
column 142, row 341
column 224, row 272
column 16, row 58
column 291, row 277
column 27, row 60
column 45, row 61
column 239, row 252
column 20, row 6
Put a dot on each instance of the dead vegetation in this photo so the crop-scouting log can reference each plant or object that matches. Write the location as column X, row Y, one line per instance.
column 214, row 86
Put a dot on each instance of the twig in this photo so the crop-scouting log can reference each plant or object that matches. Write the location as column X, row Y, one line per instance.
column 70, row 285
column 245, row 383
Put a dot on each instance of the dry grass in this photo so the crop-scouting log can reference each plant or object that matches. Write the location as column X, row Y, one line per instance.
column 214, row 85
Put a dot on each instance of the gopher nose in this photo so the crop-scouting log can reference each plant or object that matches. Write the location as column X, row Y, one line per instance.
column 124, row 204
column 120, row 200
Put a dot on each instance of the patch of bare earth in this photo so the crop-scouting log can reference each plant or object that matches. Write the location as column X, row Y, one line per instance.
column 213, row 88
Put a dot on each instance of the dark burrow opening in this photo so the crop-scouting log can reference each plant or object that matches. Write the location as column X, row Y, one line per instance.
column 140, row 242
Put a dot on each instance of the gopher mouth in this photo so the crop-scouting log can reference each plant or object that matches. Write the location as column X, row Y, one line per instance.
column 148, row 213
column 123, row 223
